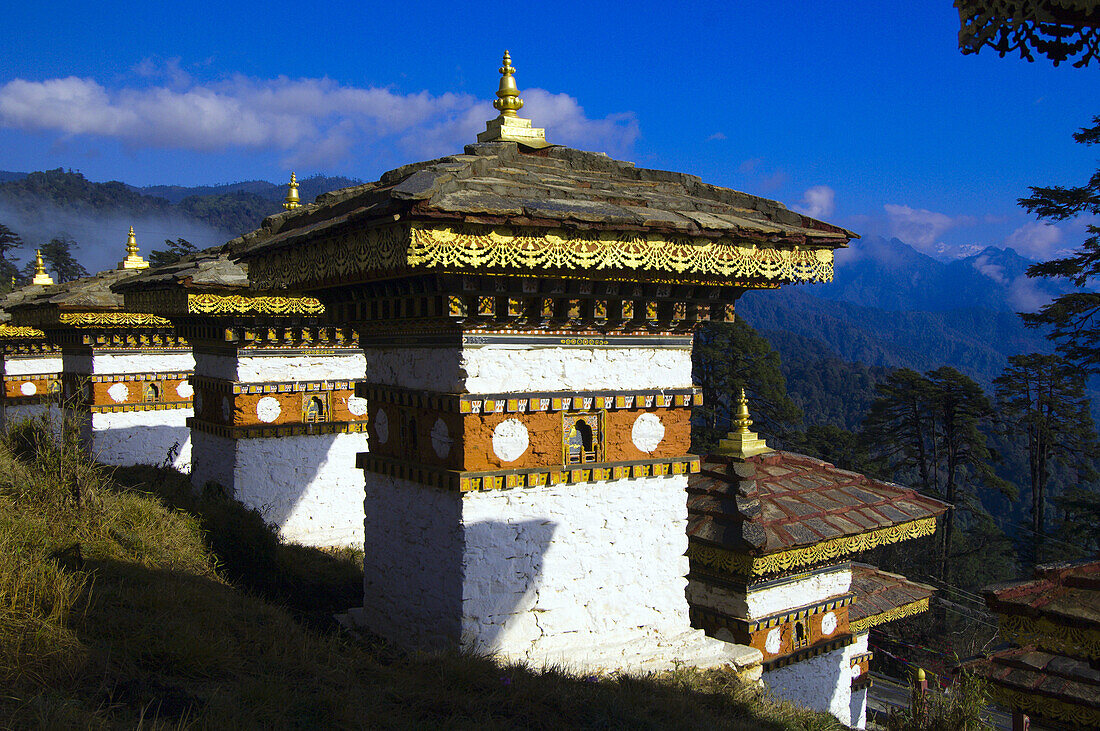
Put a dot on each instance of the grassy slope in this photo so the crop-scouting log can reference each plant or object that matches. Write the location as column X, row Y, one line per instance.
column 122, row 613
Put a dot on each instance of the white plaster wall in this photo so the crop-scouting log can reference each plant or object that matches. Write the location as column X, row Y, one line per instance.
column 588, row 576
column 32, row 366
column 307, row 485
column 500, row 368
column 104, row 363
column 412, row 571
column 212, row 459
column 300, row 367
column 11, row 414
column 774, row 599
column 858, row 709
column 141, row 437
column 822, row 683
column 216, row 366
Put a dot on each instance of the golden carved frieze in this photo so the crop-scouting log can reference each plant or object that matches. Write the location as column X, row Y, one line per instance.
column 1052, row 636
column 13, row 331
column 111, row 320
column 743, row 564
column 388, row 249
column 1044, row 706
column 905, row 610
column 214, row 304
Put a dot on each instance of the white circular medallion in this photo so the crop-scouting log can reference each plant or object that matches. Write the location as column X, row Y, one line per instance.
column 28, row 389
column 648, row 432
column 381, row 426
column 828, row 624
column 357, row 405
column 268, row 409
column 441, row 439
column 856, row 671
column 118, row 392
column 185, row 390
column 510, row 440
column 773, row 641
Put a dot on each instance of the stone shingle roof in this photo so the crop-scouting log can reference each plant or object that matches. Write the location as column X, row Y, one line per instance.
column 209, row 270
column 1028, row 672
column 781, row 500
column 1067, row 593
column 558, row 187
column 92, row 293
column 879, row 592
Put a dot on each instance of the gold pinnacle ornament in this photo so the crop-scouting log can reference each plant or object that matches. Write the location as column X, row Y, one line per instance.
column 132, row 260
column 40, row 276
column 292, row 200
column 741, row 442
column 509, row 126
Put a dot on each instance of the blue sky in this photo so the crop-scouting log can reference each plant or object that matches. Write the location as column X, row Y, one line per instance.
column 864, row 113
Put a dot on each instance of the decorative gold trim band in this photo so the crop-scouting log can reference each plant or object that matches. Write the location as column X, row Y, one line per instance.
column 1053, row 636
column 1034, row 704
column 530, row 402
column 150, row 376
column 813, row 651
column 743, row 564
column 218, row 385
column 14, row 331
column 277, row 430
column 141, row 406
column 905, row 610
column 456, row 481
column 111, row 319
column 215, row 304
column 387, row 249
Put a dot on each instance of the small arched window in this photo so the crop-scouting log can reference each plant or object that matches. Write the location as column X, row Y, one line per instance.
column 800, row 638
column 579, row 442
column 315, row 410
column 152, row 392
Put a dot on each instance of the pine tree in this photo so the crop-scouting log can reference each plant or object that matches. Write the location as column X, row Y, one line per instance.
column 900, row 427
column 175, row 251
column 1042, row 398
column 727, row 357
column 1073, row 317
column 8, row 240
column 58, row 257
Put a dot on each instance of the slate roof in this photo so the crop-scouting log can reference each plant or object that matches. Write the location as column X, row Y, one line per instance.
column 557, row 187
column 878, row 592
column 210, row 270
column 1068, row 593
column 1035, row 672
column 17, row 297
column 89, row 294
column 781, row 500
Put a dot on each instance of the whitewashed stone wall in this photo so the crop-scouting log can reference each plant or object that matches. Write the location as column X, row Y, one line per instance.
column 11, row 414
column 775, row 597
column 115, row 363
column 500, row 368
column 263, row 368
column 34, row 365
column 141, row 437
column 822, row 683
column 587, row 576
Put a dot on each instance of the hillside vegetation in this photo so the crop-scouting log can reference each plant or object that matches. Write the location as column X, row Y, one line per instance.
column 127, row 601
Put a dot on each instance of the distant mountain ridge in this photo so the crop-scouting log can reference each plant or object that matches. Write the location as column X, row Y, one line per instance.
column 44, row 204
column 888, row 274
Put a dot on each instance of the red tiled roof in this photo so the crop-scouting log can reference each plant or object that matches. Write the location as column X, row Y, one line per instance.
column 878, row 592
column 781, row 500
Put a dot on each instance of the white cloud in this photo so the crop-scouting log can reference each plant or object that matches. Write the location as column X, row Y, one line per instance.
column 716, row 136
column 1035, row 240
column 817, row 202
column 314, row 121
column 921, row 228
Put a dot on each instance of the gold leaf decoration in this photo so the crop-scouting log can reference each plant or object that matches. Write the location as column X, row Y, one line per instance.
column 213, row 304
column 905, row 610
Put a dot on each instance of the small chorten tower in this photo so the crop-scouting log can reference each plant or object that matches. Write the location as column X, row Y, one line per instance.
column 40, row 275
column 741, row 442
column 133, row 260
column 292, row 201
column 510, row 127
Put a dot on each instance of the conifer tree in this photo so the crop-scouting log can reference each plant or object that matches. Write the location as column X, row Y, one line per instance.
column 8, row 240
column 1074, row 318
column 730, row 356
column 900, row 427
column 58, row 257
column 1042, row 398
column 173, row 252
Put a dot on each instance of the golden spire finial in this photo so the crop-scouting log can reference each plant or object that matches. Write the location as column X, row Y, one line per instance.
column 292, row 200
column 40, row 276
column 508, row 101
column 741, row 442
column 509, row 126
column 132, row 260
